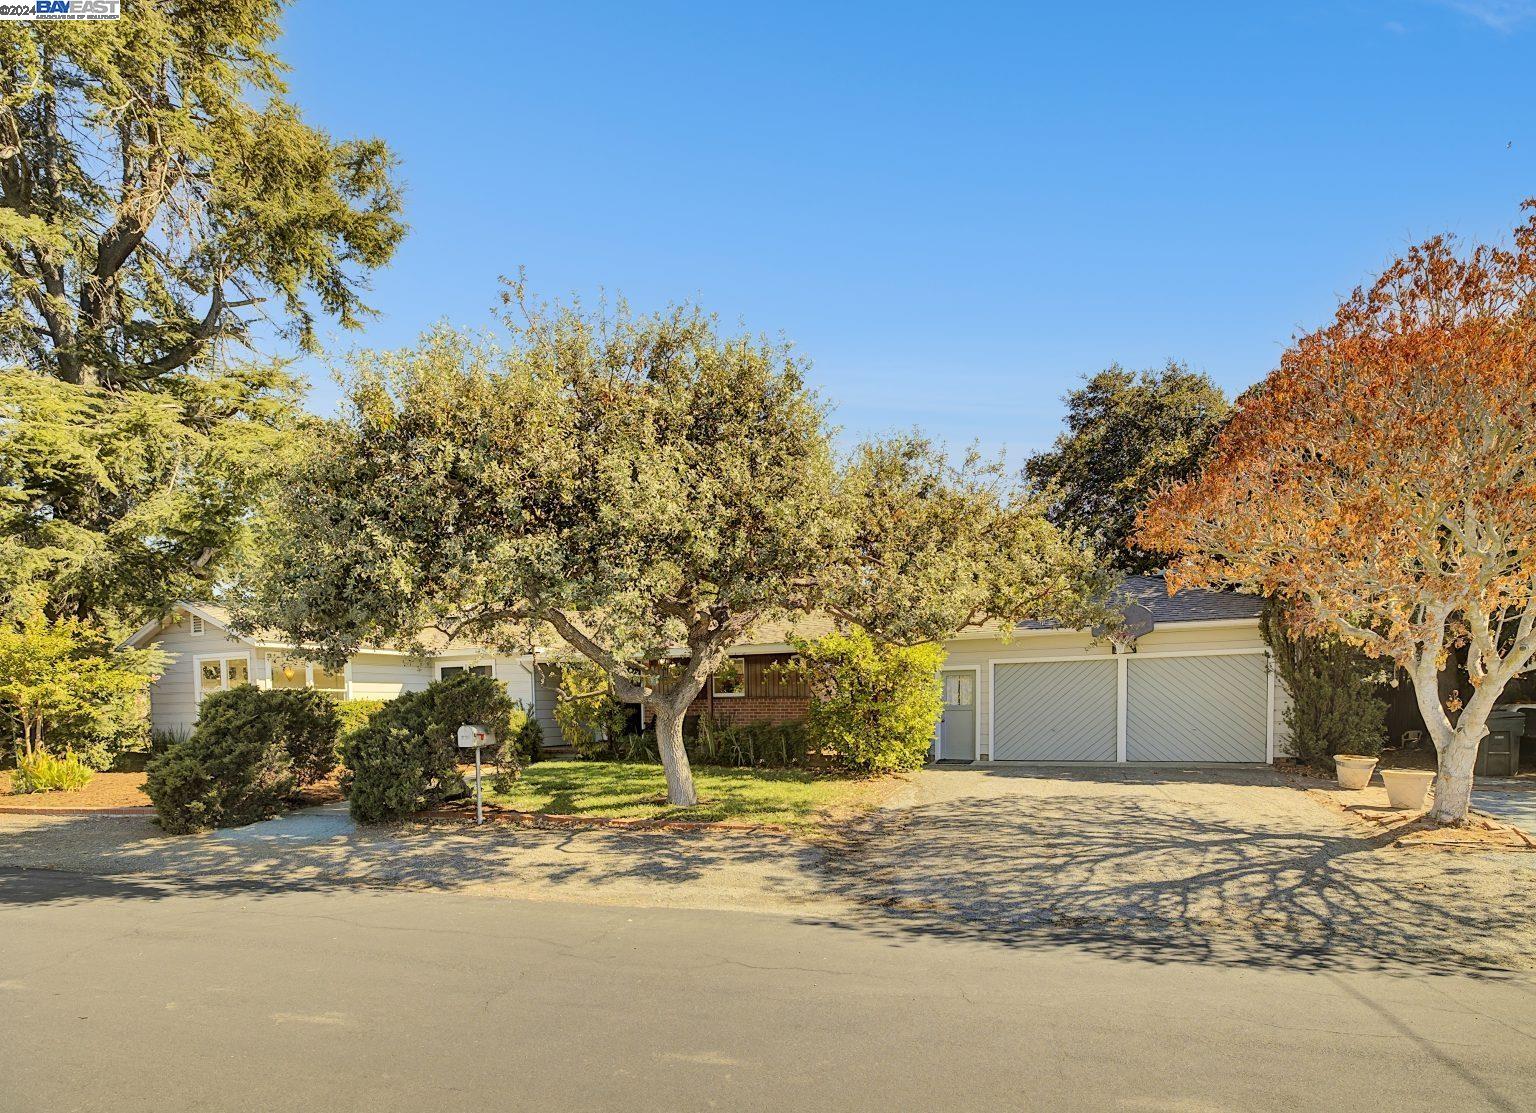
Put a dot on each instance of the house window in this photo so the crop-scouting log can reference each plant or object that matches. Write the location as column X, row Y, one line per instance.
column 195, row 626
column 445, row 671
column 731, row 678
column 217, row 674
column 295, row 672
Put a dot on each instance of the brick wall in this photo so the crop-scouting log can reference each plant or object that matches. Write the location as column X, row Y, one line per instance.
column 772, row 695
column 752, row 709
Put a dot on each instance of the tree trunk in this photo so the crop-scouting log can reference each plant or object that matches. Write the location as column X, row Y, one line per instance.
column 1453, row 778
column 674, row 758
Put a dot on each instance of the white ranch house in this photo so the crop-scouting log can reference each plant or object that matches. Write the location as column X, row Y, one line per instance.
column 1195, row 686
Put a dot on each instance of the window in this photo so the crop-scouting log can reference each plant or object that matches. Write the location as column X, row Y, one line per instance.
column 216, row 674
column 195, row 627
column 445, row 671
column 731, row 678
column 295, row 672
column 959, row 689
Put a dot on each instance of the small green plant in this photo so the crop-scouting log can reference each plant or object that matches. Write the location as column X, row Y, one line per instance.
column 762, row 744
column 42, row 772
column 874, row 706
column 162, row 740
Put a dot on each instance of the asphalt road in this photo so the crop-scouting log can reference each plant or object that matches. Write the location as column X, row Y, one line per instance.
column 134, row 995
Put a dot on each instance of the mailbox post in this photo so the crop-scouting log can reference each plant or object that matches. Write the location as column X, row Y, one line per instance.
column 475, row 737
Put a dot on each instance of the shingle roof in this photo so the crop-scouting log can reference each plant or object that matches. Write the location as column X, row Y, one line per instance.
column 1189, row 605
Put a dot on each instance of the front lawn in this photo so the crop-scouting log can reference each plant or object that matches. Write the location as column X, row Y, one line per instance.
column 783, row 797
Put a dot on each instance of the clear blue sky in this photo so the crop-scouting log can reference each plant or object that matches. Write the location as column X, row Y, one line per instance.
column 954, row 210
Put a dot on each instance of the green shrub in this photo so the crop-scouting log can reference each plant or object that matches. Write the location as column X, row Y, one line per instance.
column 305, row 722
column 233, row 769
column 353, row 714
column 873, row 706
column 42, row 772
column 390, row 772
column 530, row 740
column 588, row 716
column 1335, row 706
column 406, row 757
column 64, row 688
column 763, row 744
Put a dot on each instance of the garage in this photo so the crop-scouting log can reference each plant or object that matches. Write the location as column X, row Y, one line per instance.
column 1162, row 707
column 1055, row 710
column 1210, row 707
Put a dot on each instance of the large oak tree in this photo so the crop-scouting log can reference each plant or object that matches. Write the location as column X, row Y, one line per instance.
column 1128, row 432
column 1383, row 479
column 647, row 489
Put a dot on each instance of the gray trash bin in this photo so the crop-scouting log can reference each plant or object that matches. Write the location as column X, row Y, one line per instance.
column 1499, row 753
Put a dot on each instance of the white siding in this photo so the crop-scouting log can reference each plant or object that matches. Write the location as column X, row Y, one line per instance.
column 382, row 676
column 173, row 697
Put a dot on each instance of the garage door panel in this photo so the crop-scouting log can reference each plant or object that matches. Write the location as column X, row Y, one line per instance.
column 1055, row 711
column 1210, row 708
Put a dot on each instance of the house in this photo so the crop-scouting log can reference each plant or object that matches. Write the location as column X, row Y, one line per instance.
column 207, row 656
column 1188, row 680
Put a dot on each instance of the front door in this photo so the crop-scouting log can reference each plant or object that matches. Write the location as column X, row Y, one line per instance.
column 957, row 729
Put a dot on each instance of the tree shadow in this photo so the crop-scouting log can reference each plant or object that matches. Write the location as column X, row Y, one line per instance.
column 604, row 863
column 1130, row 875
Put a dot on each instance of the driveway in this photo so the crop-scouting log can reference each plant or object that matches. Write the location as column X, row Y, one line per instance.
column 1510, row 800
column 1227, row 864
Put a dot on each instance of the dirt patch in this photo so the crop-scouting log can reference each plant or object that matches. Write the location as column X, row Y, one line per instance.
column 106, row 790
column 119, row 791
column 1370, row 810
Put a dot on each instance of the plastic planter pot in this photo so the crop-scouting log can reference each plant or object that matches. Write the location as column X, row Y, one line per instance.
column 1354, row 771
column 1407, row 788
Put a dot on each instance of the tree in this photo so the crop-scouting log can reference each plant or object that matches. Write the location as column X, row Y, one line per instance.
column 156, row 184
column 645, row 488
column 1382, row 478
column 1127, row 433
column 114, row 504
column 67, row 689
column 161, row 205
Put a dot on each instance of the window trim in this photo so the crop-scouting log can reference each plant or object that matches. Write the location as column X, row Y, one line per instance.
column 714, row 690
column 275, row 661
column 223, row 659
column 466, row 666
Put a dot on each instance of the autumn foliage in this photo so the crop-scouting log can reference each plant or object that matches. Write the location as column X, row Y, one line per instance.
column 1383, row 478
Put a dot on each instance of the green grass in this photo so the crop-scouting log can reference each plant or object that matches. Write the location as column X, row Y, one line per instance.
column 783, row 797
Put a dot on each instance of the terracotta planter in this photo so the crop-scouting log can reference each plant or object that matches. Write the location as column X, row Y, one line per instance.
column 1407, row 788
column 1354, row 772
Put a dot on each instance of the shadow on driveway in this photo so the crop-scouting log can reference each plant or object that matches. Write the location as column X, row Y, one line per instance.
column 1165, row 864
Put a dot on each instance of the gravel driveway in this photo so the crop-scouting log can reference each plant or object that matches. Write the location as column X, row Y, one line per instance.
column 1168, row 863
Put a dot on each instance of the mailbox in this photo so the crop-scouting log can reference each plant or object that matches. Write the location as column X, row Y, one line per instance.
column 475, row 737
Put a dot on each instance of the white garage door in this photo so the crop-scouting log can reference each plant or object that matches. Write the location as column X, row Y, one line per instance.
column 1055, row 711
column 1212, row 708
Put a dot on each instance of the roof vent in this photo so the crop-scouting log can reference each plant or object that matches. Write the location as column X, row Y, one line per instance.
column 197, row 625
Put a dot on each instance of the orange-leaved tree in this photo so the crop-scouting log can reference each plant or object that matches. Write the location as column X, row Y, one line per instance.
column 1383, row 479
